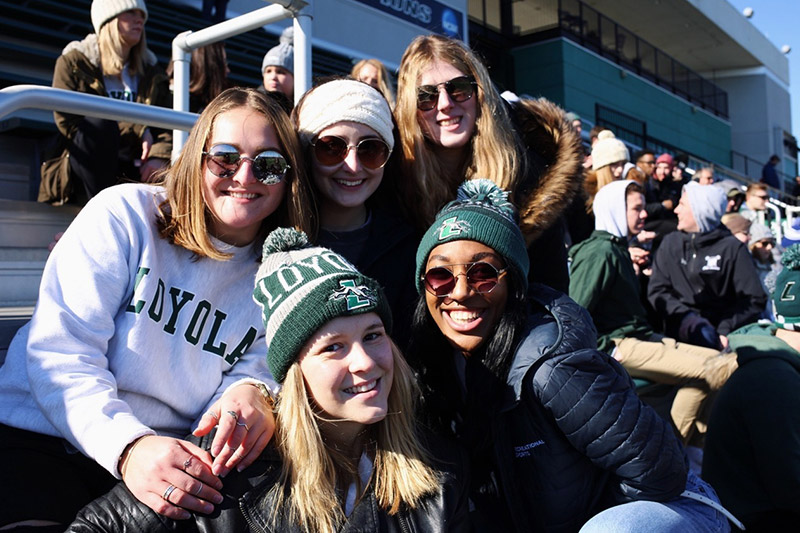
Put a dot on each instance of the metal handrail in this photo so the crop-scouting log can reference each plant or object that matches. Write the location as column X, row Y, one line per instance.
column 18, row 97
column 185, row 42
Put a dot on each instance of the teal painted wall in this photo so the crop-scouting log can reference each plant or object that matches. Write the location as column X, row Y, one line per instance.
column 577, row 79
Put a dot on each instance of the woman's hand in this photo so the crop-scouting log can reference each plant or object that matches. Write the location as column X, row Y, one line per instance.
column 246, row 425
column 170, row 476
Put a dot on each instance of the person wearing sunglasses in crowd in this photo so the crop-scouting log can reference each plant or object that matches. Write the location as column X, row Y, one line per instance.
column 558, row 439
column 347, row 130
column 347, row 454
column 453, row 126
column 142, row 331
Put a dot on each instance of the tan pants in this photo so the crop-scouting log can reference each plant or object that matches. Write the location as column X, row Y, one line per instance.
column 664, row 360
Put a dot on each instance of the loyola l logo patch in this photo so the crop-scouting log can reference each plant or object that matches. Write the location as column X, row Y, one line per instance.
column 452, row 226
column 357, row 296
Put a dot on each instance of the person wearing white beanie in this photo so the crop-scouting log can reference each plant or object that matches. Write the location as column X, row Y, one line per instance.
column 277, row 67
column 348, row 132
column 114, row 62
column 609, row 156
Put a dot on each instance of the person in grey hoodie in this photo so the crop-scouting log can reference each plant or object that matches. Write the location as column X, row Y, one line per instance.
column 704, row 284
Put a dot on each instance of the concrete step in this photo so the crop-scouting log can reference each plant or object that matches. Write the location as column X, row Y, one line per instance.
column 20, row 275
column 11, row 319
column 25, row 224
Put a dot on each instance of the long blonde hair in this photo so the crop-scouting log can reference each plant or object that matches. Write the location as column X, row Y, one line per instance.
column 384, row 80
column 594, row 181
column 185, row 217
column 496, row 152
column 312, row 470
column 111, row 60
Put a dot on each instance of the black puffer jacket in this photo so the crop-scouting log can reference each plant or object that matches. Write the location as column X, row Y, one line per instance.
column 571, row 437
column 249, row 506
column 711, row 274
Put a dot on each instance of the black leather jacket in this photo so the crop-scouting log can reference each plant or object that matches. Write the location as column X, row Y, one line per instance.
column 249, row 506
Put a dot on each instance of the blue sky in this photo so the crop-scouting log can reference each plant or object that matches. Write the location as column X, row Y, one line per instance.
column 778, row 19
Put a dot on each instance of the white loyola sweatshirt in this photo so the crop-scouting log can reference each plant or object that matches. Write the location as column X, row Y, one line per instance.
column 131, row 335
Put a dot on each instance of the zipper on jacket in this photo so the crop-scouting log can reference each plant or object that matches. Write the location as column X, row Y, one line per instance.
column 253, row 526
column 405, row 524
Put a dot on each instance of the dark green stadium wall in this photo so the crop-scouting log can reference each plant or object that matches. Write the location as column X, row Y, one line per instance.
column 577, row 79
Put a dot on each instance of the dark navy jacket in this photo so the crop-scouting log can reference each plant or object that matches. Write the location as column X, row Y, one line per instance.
column 572, row 438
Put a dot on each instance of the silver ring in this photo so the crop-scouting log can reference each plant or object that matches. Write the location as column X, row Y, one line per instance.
column 234, row 415
column 199, row 489
column 187, row 463
column 246, row 427
column 168, row 493
column 212, row 413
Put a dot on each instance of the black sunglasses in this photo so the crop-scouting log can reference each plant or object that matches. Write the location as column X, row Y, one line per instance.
column 330, row 150
column 224, row 160
column 482, row 277
column 460, row 89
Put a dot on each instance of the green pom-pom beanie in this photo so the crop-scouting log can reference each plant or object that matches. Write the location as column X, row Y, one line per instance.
column 300, row 288
column 786, row 298
column 481, row 212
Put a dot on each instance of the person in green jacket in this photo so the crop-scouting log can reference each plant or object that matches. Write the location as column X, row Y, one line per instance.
column 753, row 446
column 603, row 280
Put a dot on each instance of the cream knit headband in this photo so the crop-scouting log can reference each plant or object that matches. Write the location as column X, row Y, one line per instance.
column 344, row 100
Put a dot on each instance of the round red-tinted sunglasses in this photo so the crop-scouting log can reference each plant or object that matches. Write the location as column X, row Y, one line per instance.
column 481, row 276
column 331, row 150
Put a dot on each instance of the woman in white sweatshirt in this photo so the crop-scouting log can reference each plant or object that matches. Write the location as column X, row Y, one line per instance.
column 145, row 329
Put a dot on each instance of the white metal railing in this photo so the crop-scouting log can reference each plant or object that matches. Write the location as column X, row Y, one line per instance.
column 18, row 97
column 184, row 43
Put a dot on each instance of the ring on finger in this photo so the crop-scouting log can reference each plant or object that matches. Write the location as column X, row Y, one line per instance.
column 199, row 489
column 212, row 413
column 234, row 415
column 168, row 493
column 187, row 463
column 246, row 427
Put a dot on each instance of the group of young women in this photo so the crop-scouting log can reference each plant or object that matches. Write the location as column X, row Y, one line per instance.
column 304, row 413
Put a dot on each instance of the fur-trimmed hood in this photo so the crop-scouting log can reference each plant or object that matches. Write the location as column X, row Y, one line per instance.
column 90, row 48
column 556, row 158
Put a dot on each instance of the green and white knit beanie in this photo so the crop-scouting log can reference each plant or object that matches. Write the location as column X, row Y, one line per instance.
column 786, row 298
column 481, row 212
column 301, row 287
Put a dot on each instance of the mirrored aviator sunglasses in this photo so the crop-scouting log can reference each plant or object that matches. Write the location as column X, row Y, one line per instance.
column 482, row 277
column 269, row 167
column 460, row 89
column 330, row 150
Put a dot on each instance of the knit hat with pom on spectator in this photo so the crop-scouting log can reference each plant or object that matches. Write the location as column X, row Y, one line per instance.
column 608, row 150
column 283, row 54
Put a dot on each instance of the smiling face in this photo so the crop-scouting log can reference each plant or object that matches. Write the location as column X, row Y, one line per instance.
column 131, row 26
column 450, row 125
column 345, row 187
column 279, row 79
column 465, row 317
column 238, row 205
column 348, row 369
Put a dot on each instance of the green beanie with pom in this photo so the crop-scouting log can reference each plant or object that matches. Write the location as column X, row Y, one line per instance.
column 300, row 288
column 481, row 212
column 786, row 298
